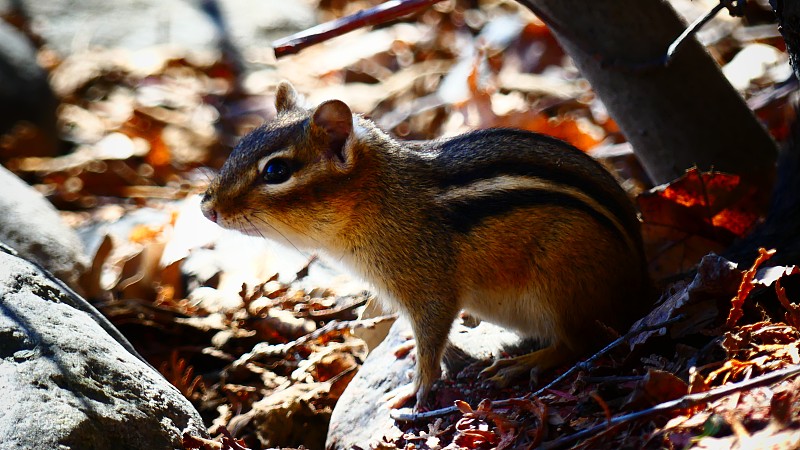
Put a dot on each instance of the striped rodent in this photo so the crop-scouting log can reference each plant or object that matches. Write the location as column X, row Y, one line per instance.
column 518, row 228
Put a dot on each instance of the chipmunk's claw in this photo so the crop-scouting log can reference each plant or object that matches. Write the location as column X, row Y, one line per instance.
column 504, row 371
column 397, row 397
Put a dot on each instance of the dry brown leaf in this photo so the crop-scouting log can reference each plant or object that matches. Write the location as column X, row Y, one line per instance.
column 745, row 287
column 699, row 301
column 657, row 387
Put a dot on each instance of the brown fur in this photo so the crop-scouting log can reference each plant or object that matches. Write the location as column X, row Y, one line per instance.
column 519, row 228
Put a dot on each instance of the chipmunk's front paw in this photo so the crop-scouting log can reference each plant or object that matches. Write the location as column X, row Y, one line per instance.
column 397, row 397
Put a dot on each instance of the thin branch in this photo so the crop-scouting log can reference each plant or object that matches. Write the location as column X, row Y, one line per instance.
column 687, row 401
column 584, row 365
column 263, row 350
column 691, row 30
column 625, row 65
column 394, row 9
column 382, row 13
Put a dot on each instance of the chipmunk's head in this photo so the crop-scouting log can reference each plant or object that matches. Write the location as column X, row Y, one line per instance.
column 294, row 178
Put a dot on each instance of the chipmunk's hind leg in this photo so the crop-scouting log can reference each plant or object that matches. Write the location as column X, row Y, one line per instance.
column 503, row 371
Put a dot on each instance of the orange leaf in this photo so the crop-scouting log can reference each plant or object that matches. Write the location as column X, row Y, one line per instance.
column 710, row 204
column 696, row 214
column 463, row 406
column 746, row 287
column 145, row 233
column 792, row 310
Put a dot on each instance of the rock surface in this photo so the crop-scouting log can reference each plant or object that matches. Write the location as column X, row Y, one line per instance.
column 67, row 384
column 31, row 226
column 70, row 26
column 361, row 416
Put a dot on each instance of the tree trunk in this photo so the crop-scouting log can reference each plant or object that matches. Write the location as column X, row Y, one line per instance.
column 781, row 229
column 788, row 14
column 676, row 117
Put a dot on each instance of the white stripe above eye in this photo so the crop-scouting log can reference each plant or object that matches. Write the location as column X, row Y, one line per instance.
column 262, row 163
column 506, row 183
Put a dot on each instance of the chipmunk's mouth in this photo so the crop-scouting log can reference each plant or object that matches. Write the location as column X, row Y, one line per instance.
column 241, row 224
column 259, row 224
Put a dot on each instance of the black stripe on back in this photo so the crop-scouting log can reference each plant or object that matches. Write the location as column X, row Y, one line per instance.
column 484, row 170
column 624, row 213
column 464, row 215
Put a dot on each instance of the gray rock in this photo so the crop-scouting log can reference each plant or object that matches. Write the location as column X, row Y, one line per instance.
column 71, row 26
column 67, row 384
column 361, row 416
column 31, row 225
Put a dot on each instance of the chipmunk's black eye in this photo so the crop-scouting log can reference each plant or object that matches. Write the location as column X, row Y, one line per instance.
column 277, row 171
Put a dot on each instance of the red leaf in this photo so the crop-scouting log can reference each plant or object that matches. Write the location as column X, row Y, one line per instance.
column 698, row 213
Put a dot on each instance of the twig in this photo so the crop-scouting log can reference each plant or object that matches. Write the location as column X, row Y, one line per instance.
column 687, row 401
column 583, row 365
column 394, row 9
column 691, row 30
column 593, row 441
column 263, row 350
column 633, row 66
column 613, row 379
column 341, row 311
column 382, row 13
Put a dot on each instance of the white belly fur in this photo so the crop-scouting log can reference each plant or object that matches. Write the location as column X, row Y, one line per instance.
column 513, row 310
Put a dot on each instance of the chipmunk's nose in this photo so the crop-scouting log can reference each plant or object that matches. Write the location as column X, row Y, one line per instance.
column 210, row 214
column 208, row 210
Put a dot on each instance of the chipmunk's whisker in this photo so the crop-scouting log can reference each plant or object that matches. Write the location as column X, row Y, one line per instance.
column 288, row 225
column 261, row 220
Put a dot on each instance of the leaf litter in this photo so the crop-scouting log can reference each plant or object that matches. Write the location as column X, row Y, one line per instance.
column 259, row 338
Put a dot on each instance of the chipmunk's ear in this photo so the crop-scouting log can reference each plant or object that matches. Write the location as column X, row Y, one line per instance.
column 335, row 120
column 285, row 97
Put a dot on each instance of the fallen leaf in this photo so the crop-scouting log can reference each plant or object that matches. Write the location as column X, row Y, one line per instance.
column 745, row 287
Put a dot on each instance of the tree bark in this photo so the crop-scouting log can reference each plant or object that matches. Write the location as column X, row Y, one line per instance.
column 788, row 14
column 781, row 228
column 683, row 115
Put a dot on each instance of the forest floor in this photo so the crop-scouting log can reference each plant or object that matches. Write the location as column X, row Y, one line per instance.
column 244, row 328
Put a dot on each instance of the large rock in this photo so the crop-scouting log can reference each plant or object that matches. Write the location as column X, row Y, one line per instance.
column 31, row 226
column 361, row 418
column 66, row 383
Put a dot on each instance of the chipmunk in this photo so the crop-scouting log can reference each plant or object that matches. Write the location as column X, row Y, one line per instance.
column 520, row 229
